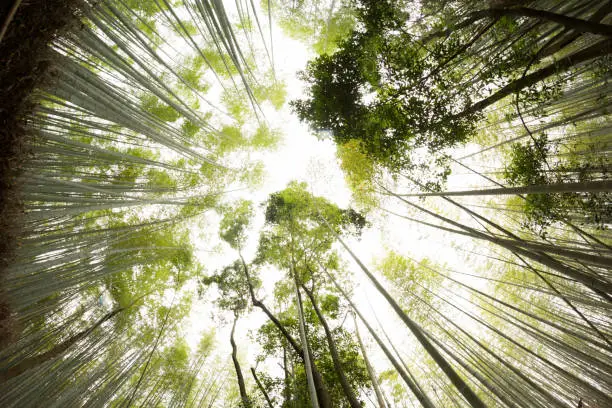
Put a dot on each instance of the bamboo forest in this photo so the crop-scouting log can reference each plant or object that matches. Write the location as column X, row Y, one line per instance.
column 306, row 203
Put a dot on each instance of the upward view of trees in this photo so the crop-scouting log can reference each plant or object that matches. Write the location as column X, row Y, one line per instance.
column 151, row 257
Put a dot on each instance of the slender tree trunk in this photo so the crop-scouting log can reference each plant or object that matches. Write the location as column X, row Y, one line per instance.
column 488, row 350
column 483, row 380
column 470, row 19
column 286, row 389
column 371, row 372
column 323, row 394
column 516, row 240
column 246, row 402
column 536, row 246
column 461, row 50
column 568, row 223
column 598, row 49
column 261, row 388
column 346, row 387
column 314, row 400
column 567, row 301
column 600, row 287
column 572, row 36
column 56, row 351
column 576, row 24
column 418, row 332
column 547, row 322
column 416, row 390
column 586, row 186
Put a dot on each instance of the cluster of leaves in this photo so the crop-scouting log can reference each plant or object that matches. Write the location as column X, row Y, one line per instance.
column 322, row 25
column 296, row 204
column 535, row 164
column 374, row 89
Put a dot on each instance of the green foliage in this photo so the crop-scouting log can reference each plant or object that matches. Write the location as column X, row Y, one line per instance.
column 191, row 72
column 253, row 174
column 164, row 257
column 237, row 105
column 153, row 105
column 297, row 240
column 189, row 129
column 148, row 9
column 528, row 165
column 398, row 94
column 230, row 139
column 275, row 92
column 113, row 190
column 235, row 221
column 320, row 25
column 265, row 138
column 398, row 391
column 411, row 279
column 233, row 287
column 391, row 114
column 295, row 227
column 220, row 62
column 337, row 27
column 161, row 178
column 296, row 206
column 346, row 343
column 207, row 343
column 359, row 172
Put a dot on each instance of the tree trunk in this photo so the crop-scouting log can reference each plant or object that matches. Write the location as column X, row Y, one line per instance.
column 286, row 389
column 418, row 332
column 553, row 399
column 567, row 301
column 56, row 351
column 571, row 23
column 322, row 393
column 261, row 388
column 346, row 387
column 422, row 397
column 314, row 399
column 572, row 36
column 246, row 402
column 600, row 287
column 568, row 223
column 535, row 246
column 371, row 372
column 598, row 49
column 586, row 186
column 471, row 19
column 576, row 24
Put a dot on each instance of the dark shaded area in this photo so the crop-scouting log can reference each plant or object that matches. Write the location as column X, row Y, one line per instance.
column 24, row 67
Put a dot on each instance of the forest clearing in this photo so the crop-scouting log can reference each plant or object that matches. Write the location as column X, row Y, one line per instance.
column 306, row 203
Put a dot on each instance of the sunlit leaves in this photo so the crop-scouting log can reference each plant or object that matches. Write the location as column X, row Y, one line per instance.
column 265, row 138
column 319, row 24
column 415, row 282
column 237, row 105
column 274, row 92
column 233, row 288
column 359, row 172
column 234, row 224
column 153, row 105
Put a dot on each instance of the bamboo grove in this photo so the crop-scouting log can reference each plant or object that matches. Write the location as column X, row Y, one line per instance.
column 470, row 268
